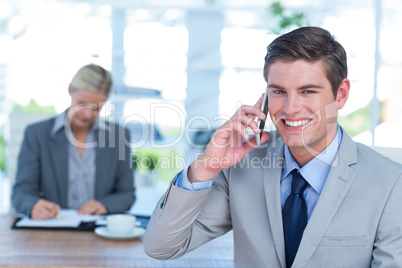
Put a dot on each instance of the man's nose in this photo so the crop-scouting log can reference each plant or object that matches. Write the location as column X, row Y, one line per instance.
column 293, row 104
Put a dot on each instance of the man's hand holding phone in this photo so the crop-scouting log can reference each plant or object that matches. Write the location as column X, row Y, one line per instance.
column 230, row 143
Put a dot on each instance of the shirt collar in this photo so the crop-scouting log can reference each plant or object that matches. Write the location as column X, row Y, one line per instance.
column 60, row 122
column 316, row 171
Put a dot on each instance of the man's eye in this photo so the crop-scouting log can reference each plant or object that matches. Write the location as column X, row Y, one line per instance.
column 309, row 92
column 279, row 91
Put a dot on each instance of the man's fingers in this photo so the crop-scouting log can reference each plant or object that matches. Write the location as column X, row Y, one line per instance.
column 249, row 111
column 251, row 144
column 265, row 137
column 250, row 122
column 259, row 102
column 237, row 126
column 247, row 114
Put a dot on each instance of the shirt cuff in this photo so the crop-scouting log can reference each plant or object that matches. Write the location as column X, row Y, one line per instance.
column 183, row 182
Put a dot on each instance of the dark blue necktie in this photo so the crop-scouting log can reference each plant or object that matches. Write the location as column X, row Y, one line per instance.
column 294, row 216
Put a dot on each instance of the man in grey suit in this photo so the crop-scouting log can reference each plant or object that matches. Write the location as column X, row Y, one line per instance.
column 309, row 196
column 76, row 160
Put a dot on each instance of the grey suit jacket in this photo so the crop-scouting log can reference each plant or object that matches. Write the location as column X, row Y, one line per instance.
column 43, row 168
column 357, row 221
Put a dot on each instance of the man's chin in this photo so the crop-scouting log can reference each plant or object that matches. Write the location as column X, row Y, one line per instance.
column 296, row 145
column 295, row 141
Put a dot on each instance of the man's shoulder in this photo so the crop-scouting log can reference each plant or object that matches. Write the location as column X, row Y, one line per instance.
column 369, row 156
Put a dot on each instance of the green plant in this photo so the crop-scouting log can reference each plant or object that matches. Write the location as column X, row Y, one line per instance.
column 144, row 160
column 358, row 121
column 282, row 19
column 150, row 162
column 165, row 162
column 2, row 154
column 134, row 160
column 33, row 107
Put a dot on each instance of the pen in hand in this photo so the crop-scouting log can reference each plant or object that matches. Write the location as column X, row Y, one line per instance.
column 56, row 212
column 44, row 209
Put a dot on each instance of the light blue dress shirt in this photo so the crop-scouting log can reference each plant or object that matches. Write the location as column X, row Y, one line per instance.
column 314, row 172
column 81, row 170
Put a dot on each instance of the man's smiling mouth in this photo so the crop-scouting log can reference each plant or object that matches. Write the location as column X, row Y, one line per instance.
column 298, row 123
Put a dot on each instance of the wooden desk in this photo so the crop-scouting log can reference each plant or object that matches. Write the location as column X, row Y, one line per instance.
column 34, row 248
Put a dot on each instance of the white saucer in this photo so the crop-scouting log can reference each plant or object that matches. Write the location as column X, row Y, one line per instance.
column 135, row 233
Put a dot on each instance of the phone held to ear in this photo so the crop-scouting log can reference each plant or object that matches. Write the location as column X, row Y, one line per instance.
column 261, row 123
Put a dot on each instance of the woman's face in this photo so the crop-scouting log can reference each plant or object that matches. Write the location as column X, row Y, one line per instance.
column 85, row 108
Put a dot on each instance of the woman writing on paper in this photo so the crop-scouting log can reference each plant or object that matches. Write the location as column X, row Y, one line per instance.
column 75, row 160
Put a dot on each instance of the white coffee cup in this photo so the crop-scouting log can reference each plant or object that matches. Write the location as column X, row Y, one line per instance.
column 120, row 223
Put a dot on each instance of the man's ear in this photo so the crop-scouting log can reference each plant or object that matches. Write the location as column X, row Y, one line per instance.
column 342, row 94
column 69, row 89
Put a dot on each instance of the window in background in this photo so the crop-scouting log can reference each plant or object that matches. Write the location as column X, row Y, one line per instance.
column 59, row 38
column 388, row 133
column 43, row 44
column 45, row 41
column 242, row 81
column 354, row 28
column 156, row 45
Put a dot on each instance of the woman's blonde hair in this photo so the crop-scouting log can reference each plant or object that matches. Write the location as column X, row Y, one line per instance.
column 92, row 77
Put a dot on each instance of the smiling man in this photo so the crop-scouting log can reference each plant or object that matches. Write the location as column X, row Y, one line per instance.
column 309, row 196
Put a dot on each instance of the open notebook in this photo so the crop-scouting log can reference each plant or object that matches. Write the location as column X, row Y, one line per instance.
column 69, row 219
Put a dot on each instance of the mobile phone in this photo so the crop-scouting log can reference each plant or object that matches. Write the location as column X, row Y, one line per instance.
column 261, row 123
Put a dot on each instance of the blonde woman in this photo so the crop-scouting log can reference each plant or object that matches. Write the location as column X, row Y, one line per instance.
column 76, row 160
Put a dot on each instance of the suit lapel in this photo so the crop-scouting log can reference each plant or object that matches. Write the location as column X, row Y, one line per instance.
column 339, row 180
column 58, row 150
column 271, row 178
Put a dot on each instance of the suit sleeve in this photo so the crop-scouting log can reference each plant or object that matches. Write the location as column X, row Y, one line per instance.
column 122, row 198
column 184, row 220
column 26, row 188
column 387, row 250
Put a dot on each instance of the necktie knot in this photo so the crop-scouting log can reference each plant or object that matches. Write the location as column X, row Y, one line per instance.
column 299, row 184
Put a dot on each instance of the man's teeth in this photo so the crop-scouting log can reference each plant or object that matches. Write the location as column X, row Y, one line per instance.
column 296, row 123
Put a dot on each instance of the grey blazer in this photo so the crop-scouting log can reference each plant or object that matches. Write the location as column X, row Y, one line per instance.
column 43, row 167
column 357, row 221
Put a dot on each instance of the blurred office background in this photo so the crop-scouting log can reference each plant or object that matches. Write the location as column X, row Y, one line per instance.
column 181, row 68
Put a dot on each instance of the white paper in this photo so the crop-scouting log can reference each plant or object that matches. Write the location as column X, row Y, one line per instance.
column 68, row 218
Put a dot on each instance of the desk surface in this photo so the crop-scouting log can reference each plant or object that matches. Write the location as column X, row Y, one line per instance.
column 36, row 248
